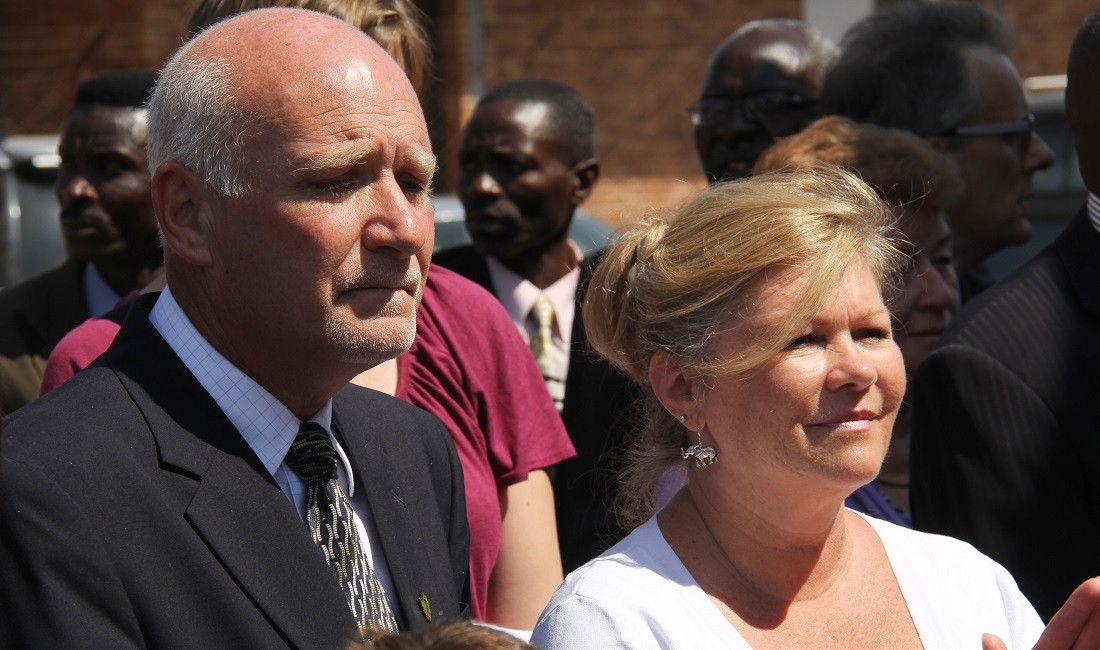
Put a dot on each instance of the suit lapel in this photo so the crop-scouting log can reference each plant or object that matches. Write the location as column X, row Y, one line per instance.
column 399, row 506
column 1078, row 248
column 59, row 306
column 580, row 354
column 237, row 508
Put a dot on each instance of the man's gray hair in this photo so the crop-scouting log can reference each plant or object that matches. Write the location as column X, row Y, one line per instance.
column 905, row 67
column 194, row 121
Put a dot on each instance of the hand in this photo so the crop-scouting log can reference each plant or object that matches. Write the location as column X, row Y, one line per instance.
column 1077, row 623
column 1076, row 626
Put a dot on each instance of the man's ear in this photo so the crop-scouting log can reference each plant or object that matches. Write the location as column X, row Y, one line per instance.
column 586, row 173
column 676, row 387
column 182, row 204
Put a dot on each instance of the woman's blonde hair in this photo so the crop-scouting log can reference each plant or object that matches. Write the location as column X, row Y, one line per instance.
column 396, row 25
column 672, row 283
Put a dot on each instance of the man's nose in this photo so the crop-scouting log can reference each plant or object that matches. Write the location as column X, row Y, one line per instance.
column 398, row 221
column 937, row 292
column 482, row 182
column 75, row 186
column 1039, row 155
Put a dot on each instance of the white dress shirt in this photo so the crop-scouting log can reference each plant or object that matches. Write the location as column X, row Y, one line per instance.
column 265, row 423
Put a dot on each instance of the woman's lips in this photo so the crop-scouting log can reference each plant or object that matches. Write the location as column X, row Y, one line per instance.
column 853, row 422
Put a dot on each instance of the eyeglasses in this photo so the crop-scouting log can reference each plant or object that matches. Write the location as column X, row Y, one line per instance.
column 1017, row 132
column 779, row 113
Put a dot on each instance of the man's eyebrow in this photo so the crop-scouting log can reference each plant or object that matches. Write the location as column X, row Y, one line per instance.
column 422, row 163
column 337, row 159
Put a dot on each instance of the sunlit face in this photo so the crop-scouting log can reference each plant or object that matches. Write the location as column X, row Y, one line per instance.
column 103, row 184
column 515, row 181
column 929, row 294
column 327, row 253
column 821, row 410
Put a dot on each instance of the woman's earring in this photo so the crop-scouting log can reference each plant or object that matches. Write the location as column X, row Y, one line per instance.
column 702, row 454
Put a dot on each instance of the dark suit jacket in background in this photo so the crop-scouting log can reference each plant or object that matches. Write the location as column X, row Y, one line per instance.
column 597, row 414
column 1006, row 428
column 34, row 315
column 132, row 513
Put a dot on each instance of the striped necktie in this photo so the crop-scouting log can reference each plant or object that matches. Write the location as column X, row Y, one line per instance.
column 542, row 347
column 332, row 526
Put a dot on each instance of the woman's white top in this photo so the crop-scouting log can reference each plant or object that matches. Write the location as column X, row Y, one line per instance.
column 640, row 595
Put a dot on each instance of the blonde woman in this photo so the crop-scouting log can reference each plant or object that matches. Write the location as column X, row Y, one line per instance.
column 753, row 319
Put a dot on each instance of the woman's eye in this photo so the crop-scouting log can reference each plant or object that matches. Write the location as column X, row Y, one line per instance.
column 802, row 341
column 872, row 333
column 943, row 260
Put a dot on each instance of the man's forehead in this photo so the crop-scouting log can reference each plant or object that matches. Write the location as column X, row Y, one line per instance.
column 996, row 80
column 760, row 62
column 104, row 121
column 505, row 119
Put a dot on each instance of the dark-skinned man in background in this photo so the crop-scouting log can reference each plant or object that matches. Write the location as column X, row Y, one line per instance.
column 106, row 220
column 527, row 160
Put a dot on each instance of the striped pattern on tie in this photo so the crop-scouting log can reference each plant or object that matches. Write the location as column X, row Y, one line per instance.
column 332, row 526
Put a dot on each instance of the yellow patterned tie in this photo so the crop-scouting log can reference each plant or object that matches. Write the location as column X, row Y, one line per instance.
column 542, row 347
column 332, row 526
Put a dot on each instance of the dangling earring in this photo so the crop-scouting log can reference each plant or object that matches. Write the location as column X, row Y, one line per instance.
column 702, row 454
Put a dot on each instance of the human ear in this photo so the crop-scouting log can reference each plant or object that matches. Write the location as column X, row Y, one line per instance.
column 585, row 173
column 182, row 205
column 676, row 386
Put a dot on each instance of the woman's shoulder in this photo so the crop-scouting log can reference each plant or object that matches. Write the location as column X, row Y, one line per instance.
column 636, row 595
column 954, row 591
column 924, row 545
column 642, row 557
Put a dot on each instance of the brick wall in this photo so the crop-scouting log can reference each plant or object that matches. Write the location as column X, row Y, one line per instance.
column 640, row 63
column 49, row 46
column 1044, row 32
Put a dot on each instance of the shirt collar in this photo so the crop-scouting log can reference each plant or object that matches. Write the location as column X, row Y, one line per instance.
column 518, row 295
column 1094, row 211
column 263, row 421
column 98, row 295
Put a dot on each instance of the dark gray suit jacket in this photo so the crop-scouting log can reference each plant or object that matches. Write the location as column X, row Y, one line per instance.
column 596, row 413
column 1006, row 440
column 34, row 315
column 132, row 513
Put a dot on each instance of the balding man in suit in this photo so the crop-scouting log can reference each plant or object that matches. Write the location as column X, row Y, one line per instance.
column 212, row 480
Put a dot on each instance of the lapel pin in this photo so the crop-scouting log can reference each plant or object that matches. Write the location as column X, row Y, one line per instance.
column 425, row 606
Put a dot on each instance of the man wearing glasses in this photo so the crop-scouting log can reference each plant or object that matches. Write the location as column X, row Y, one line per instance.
column 762, row 83
column 942, row 71
column 1005, row 439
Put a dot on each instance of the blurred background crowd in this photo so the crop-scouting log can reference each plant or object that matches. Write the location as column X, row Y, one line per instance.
column 660, row 49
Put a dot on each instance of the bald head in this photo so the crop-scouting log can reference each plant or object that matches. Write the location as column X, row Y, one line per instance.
column 292, row 181
column 256, row 70
column 789, row 47
column 761, row 83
